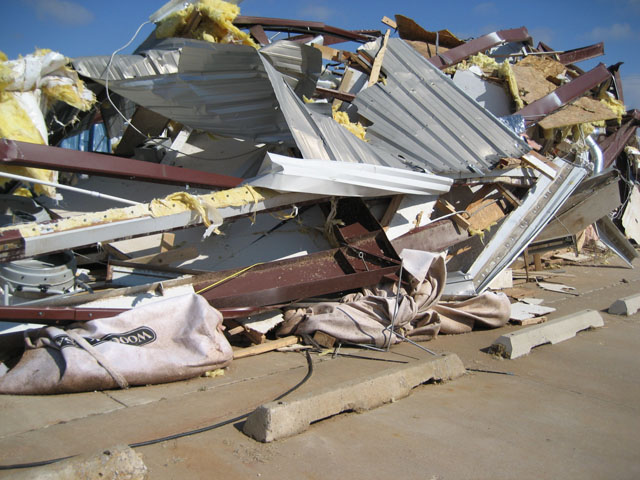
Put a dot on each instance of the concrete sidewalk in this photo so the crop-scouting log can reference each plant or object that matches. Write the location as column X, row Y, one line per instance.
column 568, row 411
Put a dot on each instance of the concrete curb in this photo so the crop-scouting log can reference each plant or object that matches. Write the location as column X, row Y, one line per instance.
column 119, row 462
column 515, row 344
column 626, row 306
column 276, row 420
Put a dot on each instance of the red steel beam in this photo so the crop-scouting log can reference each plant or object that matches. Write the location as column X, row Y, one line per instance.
column 299, row 26
column 581, row 54
column 477, row 45
column 535, row 111
column 576, row 55
column 615, row 143
column 68, row 315
column 365, row 258
column 54, row 158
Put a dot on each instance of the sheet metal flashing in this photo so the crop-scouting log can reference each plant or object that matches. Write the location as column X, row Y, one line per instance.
column 424, row 120
column 324, row 177
column 524, row 223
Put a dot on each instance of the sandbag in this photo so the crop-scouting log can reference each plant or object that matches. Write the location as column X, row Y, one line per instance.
column 164, row 341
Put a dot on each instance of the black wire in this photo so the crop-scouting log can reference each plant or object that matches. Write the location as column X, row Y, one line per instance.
column 176, row 435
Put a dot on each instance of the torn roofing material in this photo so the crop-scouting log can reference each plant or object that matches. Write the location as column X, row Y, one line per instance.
column 344, row 179
column 320, row 137
column 424, row 120
column 218, row 88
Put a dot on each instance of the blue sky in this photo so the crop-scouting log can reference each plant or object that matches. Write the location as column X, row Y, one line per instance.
column 91, row 27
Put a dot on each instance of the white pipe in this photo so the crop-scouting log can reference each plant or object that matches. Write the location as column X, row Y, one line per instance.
column 68, row 187
column 596, row 155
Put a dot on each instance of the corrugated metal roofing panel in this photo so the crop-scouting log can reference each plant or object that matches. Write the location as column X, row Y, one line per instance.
column 422, row 118
column 300, row 64
column 157, row 62
column 318, row 136
column 212, row 87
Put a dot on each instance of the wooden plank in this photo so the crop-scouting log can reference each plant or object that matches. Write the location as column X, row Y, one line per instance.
column 236, row 327
column 390, row 23
column 324, row 340
column 537, row 262
column 508, row 195
column 449, row 209
column 391, row 210
column 168, row 257
column 265, row 347
column 534, row 161
column 528, row 321
column 329, row 53
column 167, row 241
column 344, row 87
column 377, row 63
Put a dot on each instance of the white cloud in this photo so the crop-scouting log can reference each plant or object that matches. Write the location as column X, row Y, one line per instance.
column 617, row 31
column 316, row 13
column 631, row 90
column 63, row 11
column 485, row 8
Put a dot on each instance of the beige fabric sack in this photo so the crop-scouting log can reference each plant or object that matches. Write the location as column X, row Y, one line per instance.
column 364, row 318
column 164, row 341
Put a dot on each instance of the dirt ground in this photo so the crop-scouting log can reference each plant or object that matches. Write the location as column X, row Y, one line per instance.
column 568, row 410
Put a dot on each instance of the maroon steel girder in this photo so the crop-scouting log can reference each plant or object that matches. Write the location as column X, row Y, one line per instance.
column 536, row 111
column 54, row 158
column 477, row 45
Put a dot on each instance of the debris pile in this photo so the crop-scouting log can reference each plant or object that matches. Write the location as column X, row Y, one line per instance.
column 368, row 196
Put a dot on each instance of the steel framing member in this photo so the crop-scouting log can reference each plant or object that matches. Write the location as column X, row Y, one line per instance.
column 14, row 246
column 54, row 158
column 564, row 94
column 477, row 45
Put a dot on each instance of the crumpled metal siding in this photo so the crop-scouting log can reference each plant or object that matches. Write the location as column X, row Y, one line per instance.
column 300, row 64
column 156, row 62
column 422, row 118
column 218, row 88
column 320, row 137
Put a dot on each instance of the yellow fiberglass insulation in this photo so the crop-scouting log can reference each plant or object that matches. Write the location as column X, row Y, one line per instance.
column 616, row 105
column 174, row 203
column 215, row 26
column 506, row 73
column 486, row 63
column 29, row 86
column 356, row 128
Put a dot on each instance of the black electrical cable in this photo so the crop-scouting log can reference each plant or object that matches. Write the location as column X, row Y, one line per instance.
column 176, row 435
